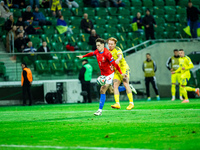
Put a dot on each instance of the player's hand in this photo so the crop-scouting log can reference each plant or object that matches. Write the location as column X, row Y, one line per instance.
column 124, row 75
column 80, row 57
column 117, row 61
column 173, row 72
column 183, row 68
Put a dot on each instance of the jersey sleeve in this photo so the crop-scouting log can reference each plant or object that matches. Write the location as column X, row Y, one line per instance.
column 189, row 64
column 89, row 54
column 119, row 51
column 179, row 69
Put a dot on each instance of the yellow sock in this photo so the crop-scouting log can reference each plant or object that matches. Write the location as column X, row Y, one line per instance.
column 116, row 98
column 184, row 92
column 189, row 88
column 130, row 97
column 173, row 89
column 180, row 94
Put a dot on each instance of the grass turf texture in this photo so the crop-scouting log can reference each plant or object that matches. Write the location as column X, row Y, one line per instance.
column 150, row 125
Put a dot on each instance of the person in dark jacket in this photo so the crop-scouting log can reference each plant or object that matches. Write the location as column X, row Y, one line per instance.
column 85, row 77
column 138, row 19
column 149, row 23
column 20, row 42
column 26, row 81
column 20, row 3
column 192, row 16
column 86, row 24
column 39, row 16
column 9, row 23
column 92, row 39
column 28, row 17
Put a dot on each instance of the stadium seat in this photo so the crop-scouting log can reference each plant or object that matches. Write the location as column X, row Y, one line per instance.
column 77, row 11
column 181, row 19
column 112, row 11
column 183, row 3
column 2, row 22
column 121, row 37
column 170, row 10
column 66, row 12
column 100, row 21
column 148, row 3
column 170, row 18
column 124, row 11
column 101, row 11
column 46, row 38
column 42, row 66
column 57, row 46
column 158, row 12
column 99, row 29
column 16, row 12
column 36, row 42
column 123, row 20
column 122, row 45
column 58, row 38
column 131, row 43
column 89, row 11
column 49, row 30
column 159, row 20
column 84, row 37
column 56, row 66
column 134, row 11
column 136, row 3
column 75, row 29
column 159, row 3
column 132, row 36
column 69, row 67
column 170, row 2
column 110, row 29
column 71, row 39
column 83, row 46
column 121, row 28
column 112, row 20
column 107, row 35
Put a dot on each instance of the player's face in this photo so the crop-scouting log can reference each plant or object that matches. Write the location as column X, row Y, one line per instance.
column 181, row 53
column 111, row 45
column 100, row 46
column 148, row 57
column 176, row 53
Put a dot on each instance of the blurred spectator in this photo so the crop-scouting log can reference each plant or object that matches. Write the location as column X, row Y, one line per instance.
column 192, row 17
column 21, row 42
column 92, row 39
column 44, row 3
column 20, row 22
column 118, row 3
column 86, row 24
column 95, row 3
column 61, row 22
column 9, row 23
column 71, row 3
column 85, row 76
column 39, row 16
column 12, row 32
column 20, row 30
column 11, row 3
column 138, row 19
column 37, row 4
column 20, row 3
column 5, row 12
column 28, row 17
column 30, row 48
column 149, row 23
column 44, row 47
column 55, row 6
column 87, row 3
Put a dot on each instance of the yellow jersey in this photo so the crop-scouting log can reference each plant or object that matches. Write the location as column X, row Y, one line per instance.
column 187, row 64
column 117, row 51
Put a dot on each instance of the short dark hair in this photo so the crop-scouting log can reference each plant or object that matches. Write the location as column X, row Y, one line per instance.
column 148, row 54
column 24, row 64
column 189, row 1
column 175, row 50
column 102, row 41
column 181, row 50
column 85, row 60
column 60, row 16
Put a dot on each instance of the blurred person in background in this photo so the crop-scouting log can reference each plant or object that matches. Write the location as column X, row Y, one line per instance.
column 86, row 24
column 5, row 12
column 92, row 39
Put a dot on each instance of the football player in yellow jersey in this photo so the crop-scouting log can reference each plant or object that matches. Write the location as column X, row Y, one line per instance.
column 185, row 64
column 174, row 61
column 117, row 80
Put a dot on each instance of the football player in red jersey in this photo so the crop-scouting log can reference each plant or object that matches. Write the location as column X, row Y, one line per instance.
column 105, row 61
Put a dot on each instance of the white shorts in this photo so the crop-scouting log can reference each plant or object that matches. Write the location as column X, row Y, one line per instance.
column 109, row 78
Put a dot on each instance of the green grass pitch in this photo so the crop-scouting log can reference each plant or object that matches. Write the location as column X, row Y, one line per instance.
column 150, row 125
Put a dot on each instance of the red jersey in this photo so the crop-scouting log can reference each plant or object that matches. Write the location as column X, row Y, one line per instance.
column 105, row 60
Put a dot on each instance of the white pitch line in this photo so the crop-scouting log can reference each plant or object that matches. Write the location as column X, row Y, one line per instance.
column 64, row 147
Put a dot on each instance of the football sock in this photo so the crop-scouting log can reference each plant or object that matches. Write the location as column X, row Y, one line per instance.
column 173, row 89
column 102, row 101
column 180, row 91
column 184, row 92
column 121, row 88
column 189, row 88
column 116, row 98
column 173, row 97
column 130, row 97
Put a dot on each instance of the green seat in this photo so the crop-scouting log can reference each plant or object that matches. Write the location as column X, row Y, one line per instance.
column 170, row 18
column 136, row 3
column 124, row 11
column 121, row 28
column 170, row 10
column 49, row 30
column 75, row 29
column 47, row 38
column 66, row 12
column 180, row 10
column 159, row 21
column 71, row 38
column 121, row 37
column 112, row 11
column 56, row 66
column 159, row 29
column 112, row 20
column 107, row 35
column 131, row 43
column 101, row 11
column 58, row 38
column 2, row 22
column 123, row 20
column 122, row 45
column 43, row 10
column 159, row 3
column 110, row 29
column 57, row 46
column 69, row 67
column 179, row 27
column 16, row 12
column 158, row 12
column 148, row 3
column 132, row 36
column 53, row 20
column 2, row 69
column 36, row 42
column 84, row 46
column 183, row 3
column 170, row 2
column 100, row 21
column 42, row 66
column 89, row 11
column 94, row 65
column 178, row 35
column 84, row 37
column 181, row 19
column 134, row 11
column 76, row 21
column 77, row 11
